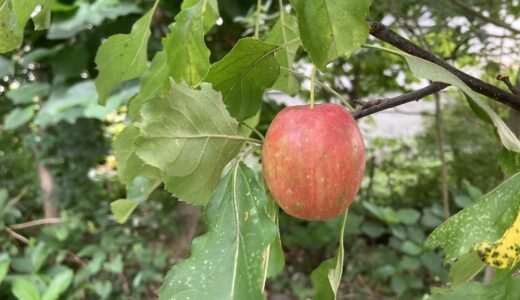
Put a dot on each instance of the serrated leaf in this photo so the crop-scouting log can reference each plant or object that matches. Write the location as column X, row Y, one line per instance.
column 27, row 92
column 154, row 82
column 327, row 277
column 186, row 51
column 428, row 70
column 19, row 117
column 504, row 286
column 4, row 265
column 465, row 268
column 88, row 15
column 485, row 220
column 11, row 35
column 283, row 31
column 59, row 284
column 330, row 28
column 189, row 135
column 129, row 165
column 243, row 75
column 123, row 56
column 227, row 261
column 23, row 289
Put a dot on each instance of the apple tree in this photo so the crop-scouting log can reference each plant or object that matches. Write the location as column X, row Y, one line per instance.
column 192, row 125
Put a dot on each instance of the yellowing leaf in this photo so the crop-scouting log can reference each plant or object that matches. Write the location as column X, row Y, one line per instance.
column 505, row 252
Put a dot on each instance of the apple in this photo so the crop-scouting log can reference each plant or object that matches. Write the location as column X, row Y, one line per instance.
column 313, row 160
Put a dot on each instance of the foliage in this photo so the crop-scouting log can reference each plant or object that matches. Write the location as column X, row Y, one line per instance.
column 181, row 125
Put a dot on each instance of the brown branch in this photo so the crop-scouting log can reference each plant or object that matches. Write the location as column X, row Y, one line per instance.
column 479, row 15
column 35, row 223
column 17, row 236
column 385, row 34
column 505, row 79
column 382, row 104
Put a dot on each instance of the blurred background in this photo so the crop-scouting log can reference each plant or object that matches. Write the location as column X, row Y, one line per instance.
column 56, row 161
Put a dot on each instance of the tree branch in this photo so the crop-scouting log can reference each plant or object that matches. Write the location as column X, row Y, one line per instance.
column 479, row 15
column 514, row 89
column 385, row 34
column 382, row 104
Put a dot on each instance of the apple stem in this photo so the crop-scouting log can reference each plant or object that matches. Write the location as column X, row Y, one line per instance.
column 313, row 82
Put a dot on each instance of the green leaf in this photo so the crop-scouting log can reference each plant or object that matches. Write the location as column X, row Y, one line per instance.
column 23, row 289
column 427, row 70
column 227, row 262
column 23, row 10
column 88, row 15
column 485, row 220
column 276, row 258
column 3, row 198
column 138, row 192
column 285, row 30
column 129, row 165
column 509, row 162
column 123, row 56
column 465, row 268
column 11, row 35
column 211, row 13
column 243, row 75
column 190, row 137
column 4, row 265
column 373, row 229
column 411, row 248
column 27, row 92
column 504, row 286
column 327, row 277
column 70, row 62
column 59, row 284
column 19, row 117
column 68, row 103
column 154, row 82
column 186, row 51
column 42, row 20
column 6, row 66
column 408, row 215
column 398, row 284
column 330, row 28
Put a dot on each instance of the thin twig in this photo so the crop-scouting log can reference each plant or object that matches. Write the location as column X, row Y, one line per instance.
column 323, row 86
column 505, row 79
column 13, row 201
column 480, row 15
column 258, row 133
column 383, row 104
column 36, row 223
column 17, row 236
column 442, row 157
column 385, row 34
